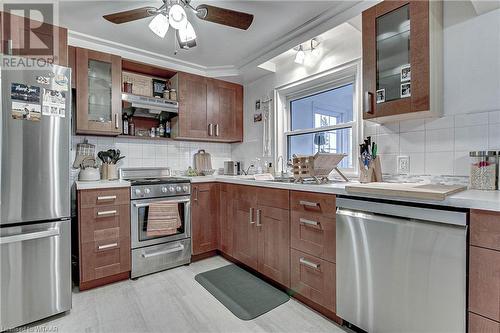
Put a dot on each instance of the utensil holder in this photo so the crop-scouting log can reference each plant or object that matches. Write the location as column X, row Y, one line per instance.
column 371, row 175
column 109, row 171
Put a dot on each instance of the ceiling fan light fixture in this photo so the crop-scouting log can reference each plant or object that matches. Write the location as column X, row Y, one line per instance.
column 300, row 57
column 159, row 25
column 177, row 16
column 186, row 36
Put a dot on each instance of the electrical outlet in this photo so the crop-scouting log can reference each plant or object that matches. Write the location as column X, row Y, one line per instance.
column 403, row 165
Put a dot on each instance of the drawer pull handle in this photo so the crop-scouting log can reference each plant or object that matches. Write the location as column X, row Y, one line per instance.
column 250, row 218
column 309, row 222
column 107, row 246
column 308, row 263
column 309, row 204
column 159, row 253
column 106, row 213
column 106, row 198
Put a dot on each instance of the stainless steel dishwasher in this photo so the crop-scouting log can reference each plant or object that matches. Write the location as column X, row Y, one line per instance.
column 401, row 268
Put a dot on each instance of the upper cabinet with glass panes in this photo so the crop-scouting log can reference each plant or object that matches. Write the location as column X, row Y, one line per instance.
column 402, row 60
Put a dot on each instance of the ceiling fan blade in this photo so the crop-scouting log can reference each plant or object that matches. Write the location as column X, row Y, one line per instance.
column 224, row 16
column 130, row 15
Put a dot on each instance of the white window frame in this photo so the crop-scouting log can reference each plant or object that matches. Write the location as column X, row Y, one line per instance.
column 328, row 80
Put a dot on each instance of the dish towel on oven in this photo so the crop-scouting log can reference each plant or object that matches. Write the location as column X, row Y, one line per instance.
column 163, row 219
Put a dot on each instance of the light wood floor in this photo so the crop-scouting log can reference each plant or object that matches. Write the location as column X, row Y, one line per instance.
column 172, row 301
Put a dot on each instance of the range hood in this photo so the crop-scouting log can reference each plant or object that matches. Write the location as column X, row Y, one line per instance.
column 152, row 104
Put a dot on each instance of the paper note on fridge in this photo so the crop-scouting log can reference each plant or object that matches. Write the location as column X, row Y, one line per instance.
column 54, row 103
column 25, row 102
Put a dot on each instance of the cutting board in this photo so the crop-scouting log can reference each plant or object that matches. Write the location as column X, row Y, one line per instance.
column 406, row 190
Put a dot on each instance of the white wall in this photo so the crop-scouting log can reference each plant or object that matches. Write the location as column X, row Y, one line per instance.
column 344, row 48
column 436, row 147
column 178, row 155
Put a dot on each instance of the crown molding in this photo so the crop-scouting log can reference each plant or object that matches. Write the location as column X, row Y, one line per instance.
column 133, row 53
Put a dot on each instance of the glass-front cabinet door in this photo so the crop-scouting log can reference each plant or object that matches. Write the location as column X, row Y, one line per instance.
column 396, row 58
column 98, row 93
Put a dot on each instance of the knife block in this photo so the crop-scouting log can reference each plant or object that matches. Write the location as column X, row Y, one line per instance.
column 371, row 175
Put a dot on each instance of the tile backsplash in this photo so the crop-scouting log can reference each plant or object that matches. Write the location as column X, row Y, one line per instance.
column 178, row 155
column 436, row 146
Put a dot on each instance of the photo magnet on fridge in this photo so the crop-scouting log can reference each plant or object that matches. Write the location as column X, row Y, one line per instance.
column 25, row 102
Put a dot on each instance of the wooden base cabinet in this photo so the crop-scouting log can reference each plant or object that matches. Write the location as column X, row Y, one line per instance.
column 204, row 217
column 103, row 236
column 226, row 216
column 262, row 231
column 484, row 272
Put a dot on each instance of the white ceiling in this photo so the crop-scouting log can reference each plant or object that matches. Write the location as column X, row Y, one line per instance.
column 217, row 45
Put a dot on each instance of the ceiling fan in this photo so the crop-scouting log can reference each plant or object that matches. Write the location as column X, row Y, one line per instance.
column 173, row 13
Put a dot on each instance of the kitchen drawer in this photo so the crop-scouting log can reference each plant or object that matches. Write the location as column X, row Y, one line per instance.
column 313, row 278
column 154, row 258
column 484, row 282
column 314, row 204
column 96, row 222
column 104, row 258
column 479, row 324
column 485, row 229
column 314, row 235
column 104, row 197
column 270, row 197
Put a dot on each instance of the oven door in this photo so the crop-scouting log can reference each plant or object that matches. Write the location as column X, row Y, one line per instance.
column 139, row 210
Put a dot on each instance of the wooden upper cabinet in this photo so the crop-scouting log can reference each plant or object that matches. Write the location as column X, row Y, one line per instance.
column 204, row 217
column 225, row 110
column 98, row 92
column 193, row 123
column 51, row 41
column 209, row 109
column 402, row 79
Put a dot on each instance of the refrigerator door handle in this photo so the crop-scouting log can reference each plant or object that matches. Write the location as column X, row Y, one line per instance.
column 29, row 236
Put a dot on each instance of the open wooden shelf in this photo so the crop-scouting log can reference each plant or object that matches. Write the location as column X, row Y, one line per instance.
column 144, row 137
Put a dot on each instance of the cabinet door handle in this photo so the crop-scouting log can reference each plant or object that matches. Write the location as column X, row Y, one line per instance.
column 308, row 263
column 216, row 129
column 308, row 203
column 369, row 102
column 250, row 218
column 210, row 129
column 117, row 125
column 106, row 213
column 259, row 213
column 308, row 222
column 107, row 246
column 195, row 194
column 106, row 198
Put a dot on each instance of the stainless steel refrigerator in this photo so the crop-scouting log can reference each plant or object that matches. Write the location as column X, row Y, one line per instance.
column 35, row 237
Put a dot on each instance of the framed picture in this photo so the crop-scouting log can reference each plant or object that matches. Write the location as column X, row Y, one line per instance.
column 257, row 117
column 405, row 73
column 257, row 105
column 380, row 96
column 405, row 90
column 158, row 87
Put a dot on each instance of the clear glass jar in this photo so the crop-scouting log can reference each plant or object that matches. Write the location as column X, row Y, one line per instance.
column 483, row 170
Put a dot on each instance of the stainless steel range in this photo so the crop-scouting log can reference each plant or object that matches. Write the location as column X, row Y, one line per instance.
column 153, row 251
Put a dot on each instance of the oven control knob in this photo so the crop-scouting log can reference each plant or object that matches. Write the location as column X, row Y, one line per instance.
column 185, row 188
column 164, row 190
column 147, row 191
column 138, row 191
column 178, row 189
column 171, row 189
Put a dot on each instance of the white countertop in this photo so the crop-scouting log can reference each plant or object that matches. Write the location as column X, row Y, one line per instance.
column 92, row 185
column 471, row 199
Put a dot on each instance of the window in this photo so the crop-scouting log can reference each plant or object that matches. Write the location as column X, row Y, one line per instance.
column 323, row 121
